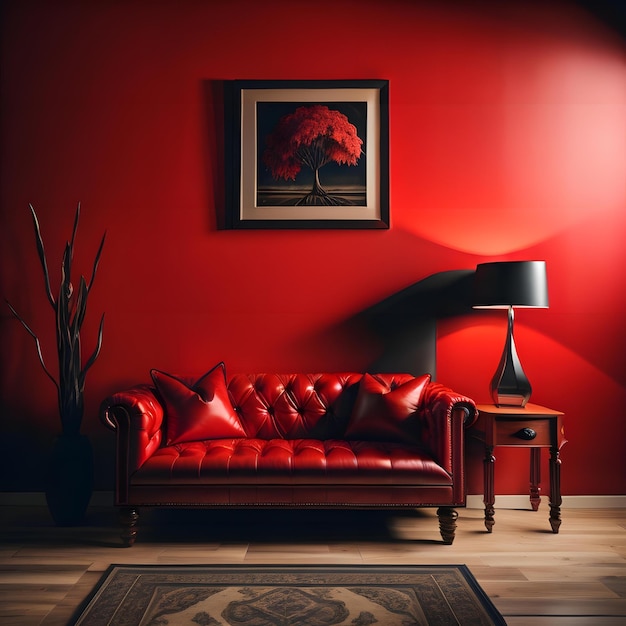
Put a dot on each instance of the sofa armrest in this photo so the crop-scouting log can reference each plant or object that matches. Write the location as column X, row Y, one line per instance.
column 444, row 415
column 136, row 416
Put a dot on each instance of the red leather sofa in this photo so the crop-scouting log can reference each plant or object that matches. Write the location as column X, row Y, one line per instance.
column 326, row 440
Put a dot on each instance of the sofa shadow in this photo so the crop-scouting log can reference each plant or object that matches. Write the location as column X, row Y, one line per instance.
column 183, row 527
column 269, row 526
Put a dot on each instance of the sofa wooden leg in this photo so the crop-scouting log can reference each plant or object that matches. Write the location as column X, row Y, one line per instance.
column 128, row 520
column 447, row 523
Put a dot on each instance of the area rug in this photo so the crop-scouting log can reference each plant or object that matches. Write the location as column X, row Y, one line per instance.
column 160, row 595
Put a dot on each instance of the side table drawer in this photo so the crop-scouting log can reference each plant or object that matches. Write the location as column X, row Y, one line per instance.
column 523, row 432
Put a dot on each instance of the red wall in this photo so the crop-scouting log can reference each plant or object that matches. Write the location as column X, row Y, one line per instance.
column 508, row 141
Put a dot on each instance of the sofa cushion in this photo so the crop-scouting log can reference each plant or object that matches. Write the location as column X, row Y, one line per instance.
column 309, row 462
column 385, row 413
column 199, row 411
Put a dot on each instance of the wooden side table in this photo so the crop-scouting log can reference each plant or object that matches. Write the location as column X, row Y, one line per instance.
column 533, row 427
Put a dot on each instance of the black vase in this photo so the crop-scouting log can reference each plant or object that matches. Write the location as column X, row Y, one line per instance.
column 69, row 482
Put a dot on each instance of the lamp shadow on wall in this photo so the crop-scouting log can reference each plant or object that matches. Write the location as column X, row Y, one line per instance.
column 405, row 323
column 399, row 333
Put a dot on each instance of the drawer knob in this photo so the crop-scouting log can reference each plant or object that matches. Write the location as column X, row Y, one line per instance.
column 527, row 434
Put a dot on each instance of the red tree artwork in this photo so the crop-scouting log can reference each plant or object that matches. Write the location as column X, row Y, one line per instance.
column 312, row 136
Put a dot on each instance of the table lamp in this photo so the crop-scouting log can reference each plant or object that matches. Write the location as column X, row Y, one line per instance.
column 505, row 285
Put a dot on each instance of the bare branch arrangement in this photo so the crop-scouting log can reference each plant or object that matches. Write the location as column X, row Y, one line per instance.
column 69, row 316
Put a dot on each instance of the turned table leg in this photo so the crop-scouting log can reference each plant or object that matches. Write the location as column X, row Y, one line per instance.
column 535, row 478
column 555, row 490
column 489, row 498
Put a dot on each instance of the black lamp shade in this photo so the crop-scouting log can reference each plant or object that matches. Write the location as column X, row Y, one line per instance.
column 511, row 283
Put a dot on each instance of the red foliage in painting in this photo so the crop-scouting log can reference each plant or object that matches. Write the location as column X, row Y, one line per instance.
column 312, row 136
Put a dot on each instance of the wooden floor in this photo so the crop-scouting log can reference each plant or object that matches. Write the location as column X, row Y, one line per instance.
column 533, row 576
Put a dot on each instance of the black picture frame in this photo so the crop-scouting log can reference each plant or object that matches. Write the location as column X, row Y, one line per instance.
column 351, row 187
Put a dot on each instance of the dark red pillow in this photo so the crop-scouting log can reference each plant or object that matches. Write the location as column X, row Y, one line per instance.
column 384, row 414
column 202, row 411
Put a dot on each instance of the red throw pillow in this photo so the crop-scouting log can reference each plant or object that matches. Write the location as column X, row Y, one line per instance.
column 384, row 414
column 202, row 411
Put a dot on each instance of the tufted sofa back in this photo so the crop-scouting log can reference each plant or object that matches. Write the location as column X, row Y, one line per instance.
column 298, row 406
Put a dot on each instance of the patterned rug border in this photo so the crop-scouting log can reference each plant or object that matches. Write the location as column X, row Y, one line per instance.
column 93, row 611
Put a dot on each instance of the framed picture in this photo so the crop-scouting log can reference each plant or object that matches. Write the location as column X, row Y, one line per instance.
column 307, row 154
